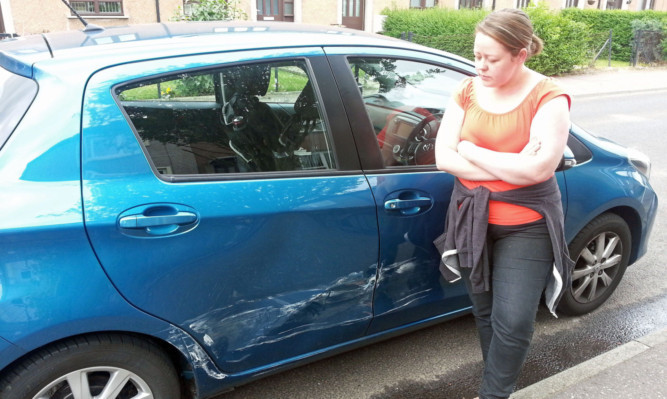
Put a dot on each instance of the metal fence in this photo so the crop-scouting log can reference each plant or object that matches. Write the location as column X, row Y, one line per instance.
column 600, row 45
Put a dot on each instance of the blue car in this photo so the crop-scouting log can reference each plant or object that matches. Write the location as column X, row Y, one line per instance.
column 189, row 207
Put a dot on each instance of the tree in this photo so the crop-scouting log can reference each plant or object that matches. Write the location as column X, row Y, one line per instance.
column 211, row 10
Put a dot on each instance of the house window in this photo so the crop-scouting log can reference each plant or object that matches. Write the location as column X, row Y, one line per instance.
column 188, row 5
column 524, row 3
column 471, row 4
column 423, row 3
column 288, row 8
column 98, row 7
column 647, row 5
column 275, row 10
column 572, row 4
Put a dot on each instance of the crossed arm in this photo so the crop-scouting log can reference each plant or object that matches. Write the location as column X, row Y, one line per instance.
column 534, row 164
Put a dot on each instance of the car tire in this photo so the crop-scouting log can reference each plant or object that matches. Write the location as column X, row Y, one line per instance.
column 136, row 365
column 601, row 252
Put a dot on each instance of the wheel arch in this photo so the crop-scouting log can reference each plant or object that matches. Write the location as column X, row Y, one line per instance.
column 195, row 369
column 631, row 217
column 634, row 223
column 179, row 361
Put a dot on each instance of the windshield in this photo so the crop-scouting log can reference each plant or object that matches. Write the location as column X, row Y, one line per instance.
column 16, row 94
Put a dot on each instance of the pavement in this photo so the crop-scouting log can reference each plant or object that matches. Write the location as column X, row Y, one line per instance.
column 614, row 81
column 634, row 370
column 637, row 369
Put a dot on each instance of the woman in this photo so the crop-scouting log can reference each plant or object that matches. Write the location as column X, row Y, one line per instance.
column 503, row 135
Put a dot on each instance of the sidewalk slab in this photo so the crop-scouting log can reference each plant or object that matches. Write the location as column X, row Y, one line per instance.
column 642, row 376
column 615, row 81
column 633, row 370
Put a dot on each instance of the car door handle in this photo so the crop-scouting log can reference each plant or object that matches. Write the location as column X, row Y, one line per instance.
column 142, row 222
column 400, row 204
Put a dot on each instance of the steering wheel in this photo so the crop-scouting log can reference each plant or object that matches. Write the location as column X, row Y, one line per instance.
column 406, row 154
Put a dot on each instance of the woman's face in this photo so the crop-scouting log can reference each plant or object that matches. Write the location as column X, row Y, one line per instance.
column 495, row 64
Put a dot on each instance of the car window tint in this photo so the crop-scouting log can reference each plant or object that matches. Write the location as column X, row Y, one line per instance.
column 183, row 88
column 16, row 95
column 239, row 119
column 405, row 101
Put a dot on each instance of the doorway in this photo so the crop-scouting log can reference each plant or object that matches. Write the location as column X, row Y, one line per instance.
column 353, row 14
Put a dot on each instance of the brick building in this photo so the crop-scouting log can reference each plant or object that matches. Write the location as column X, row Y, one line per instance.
column 25, row 17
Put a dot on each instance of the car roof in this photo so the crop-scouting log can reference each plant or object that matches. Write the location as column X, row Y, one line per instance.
column 97, row 48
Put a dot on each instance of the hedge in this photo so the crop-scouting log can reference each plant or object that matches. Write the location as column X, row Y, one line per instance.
column 566, row 43
column 620, row 22
column 433, row 21
column 571, row 37
column 441, row 28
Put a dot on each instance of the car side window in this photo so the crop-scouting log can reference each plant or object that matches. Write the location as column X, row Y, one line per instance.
column 405, row 101
column 262, row 117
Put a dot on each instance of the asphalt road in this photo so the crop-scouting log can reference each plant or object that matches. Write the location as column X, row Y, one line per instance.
column 444, row 361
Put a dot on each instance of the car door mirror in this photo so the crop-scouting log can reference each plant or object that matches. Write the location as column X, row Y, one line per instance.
column 567, row 161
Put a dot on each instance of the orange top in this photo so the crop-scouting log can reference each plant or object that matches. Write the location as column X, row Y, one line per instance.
column 506, row 132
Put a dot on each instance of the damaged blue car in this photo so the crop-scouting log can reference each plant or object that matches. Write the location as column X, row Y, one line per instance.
column 189, row 207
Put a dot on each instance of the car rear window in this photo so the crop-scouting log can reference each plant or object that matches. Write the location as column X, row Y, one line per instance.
column 261, row 117
column 16, row 94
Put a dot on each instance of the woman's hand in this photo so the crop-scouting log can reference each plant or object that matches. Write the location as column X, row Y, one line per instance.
column 538, row 160
column 447, row 155
column 532, row 147
column 465, row 149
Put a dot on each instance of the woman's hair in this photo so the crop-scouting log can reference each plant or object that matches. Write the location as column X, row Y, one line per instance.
column 511, row 28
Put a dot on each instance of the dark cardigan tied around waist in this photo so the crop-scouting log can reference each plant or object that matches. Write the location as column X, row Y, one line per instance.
column 466, row 226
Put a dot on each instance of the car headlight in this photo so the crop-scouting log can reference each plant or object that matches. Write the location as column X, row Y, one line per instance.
column 640, row 161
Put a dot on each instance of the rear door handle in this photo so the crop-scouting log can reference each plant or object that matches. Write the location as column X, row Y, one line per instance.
column 141, row 221
column 157, row 220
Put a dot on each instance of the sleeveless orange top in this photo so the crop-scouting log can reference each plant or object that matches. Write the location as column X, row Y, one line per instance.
column 506, row 132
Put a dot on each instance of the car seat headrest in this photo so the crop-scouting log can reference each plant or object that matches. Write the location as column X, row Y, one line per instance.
column 250, row 80
column 306, row 104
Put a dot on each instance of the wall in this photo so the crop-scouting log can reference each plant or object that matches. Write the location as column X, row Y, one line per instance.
column 20, row 15
column 320, row 12
column 658, row 5
column 374, row 18
column 500, row 4
column 7, row 18
column 55, row 16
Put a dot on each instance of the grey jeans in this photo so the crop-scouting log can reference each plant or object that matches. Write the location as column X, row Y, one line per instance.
column 521, row 260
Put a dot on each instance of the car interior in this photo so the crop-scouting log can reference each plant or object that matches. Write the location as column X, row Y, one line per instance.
column 245, row 118
column 404, row 116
